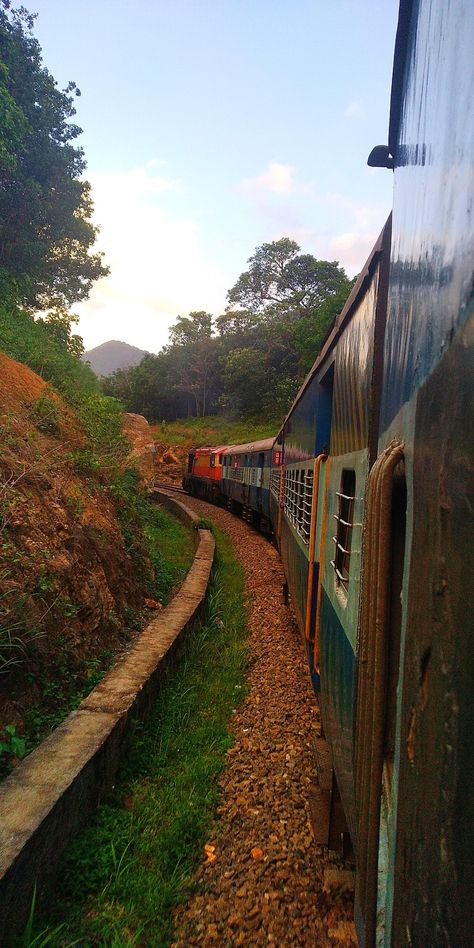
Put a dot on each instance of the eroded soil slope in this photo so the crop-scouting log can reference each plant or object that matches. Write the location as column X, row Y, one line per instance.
column 67, row 583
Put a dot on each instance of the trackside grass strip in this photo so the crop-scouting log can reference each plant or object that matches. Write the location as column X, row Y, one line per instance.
column 123, row 875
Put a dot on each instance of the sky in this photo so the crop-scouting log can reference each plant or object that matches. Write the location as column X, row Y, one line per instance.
column 212, row 126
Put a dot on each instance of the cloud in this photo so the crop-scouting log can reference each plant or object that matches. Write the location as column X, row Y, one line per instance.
column 350, row 248
column 332, row 226
column 158, row 269
column 364, row 215
column 353, row 109
column 277, row 179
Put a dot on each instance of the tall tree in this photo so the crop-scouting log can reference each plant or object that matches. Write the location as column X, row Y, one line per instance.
column 291, row 298
column 195, row 357
column 46, row 233
column 281, row 280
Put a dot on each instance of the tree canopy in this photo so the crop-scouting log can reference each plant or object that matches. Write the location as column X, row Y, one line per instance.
column 46, row 234
column 280, row 280
column 252, row 357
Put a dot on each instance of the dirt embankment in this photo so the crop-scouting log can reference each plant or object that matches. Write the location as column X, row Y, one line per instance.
column 67, row 583
column 170, row 463
column 143, row 453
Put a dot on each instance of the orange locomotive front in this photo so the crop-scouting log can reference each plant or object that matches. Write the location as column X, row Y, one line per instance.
column 204, row 473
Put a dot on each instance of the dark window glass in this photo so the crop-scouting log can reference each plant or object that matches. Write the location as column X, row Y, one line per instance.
column 345, row 523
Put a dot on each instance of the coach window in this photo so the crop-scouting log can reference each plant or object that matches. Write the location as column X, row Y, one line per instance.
column 345, row 522
column 324, row 417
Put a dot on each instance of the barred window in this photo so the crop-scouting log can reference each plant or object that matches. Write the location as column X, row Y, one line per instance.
column 298, row 500
column 345, row 524
column 307, row 501
column 275, row 482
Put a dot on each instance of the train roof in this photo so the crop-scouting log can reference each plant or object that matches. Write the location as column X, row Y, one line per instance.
column 345, row 315
column 208, row 447
column 251, row 446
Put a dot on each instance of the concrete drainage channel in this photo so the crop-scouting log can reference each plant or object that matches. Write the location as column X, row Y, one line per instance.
column 52, row 793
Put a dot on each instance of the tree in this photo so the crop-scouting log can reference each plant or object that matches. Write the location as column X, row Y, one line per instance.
column 13, row 126
column 59, row 326
column 195, row 355
column 291, row 298
column 280, row 280
column 309, row 332
column 246, row 381
column 45, row 207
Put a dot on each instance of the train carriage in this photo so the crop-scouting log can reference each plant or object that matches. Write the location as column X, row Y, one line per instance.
column 414, row 771
column 328, row 441
column 246, row 480
column 368, row 487
column 204, row 473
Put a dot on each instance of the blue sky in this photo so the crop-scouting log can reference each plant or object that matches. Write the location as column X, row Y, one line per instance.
column 213, row 126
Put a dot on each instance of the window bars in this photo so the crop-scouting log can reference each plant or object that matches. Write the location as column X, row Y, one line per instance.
column 298, row 499
column 275, row 482
column 345, row 523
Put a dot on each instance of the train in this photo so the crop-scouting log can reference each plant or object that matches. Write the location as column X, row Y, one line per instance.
column 367, row 489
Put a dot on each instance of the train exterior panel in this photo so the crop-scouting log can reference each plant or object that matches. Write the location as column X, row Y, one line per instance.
column 204, row 474
column 335, row 416
column 245, row 478
column 424, row 753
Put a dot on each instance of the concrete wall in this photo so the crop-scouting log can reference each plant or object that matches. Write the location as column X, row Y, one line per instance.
column 53, row 792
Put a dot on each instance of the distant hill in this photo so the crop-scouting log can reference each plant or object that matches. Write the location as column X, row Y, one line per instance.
column 112, row 355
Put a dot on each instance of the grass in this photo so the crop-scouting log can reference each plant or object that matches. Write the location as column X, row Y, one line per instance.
column 121, row 878
column 214, row 429
column 67, row 679
column 171, row 549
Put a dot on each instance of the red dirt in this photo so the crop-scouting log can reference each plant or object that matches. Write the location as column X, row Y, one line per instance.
column 64, row 569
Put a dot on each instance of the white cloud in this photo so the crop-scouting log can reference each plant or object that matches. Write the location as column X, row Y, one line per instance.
column 364, row 215
column 277, row 178
column 345, row 229
column 353, row 109
column 352, row 249
column 157, row 266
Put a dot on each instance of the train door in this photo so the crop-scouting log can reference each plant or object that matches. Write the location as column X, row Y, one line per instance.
column 383, row 561
column 318, row 515
column 259, row 472
column 247, row 479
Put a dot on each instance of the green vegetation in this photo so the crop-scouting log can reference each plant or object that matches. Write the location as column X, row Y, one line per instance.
column 46, row 232
column 168, row 543
column 253, row 357
column 65, row 681
column 15, row 636
column 122, row 876
column 32, row 342
column 215, row 429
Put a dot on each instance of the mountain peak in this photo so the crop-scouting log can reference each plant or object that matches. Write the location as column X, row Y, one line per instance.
column 113, row 355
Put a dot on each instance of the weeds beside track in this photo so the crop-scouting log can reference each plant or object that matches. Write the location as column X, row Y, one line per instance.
column 124, row 874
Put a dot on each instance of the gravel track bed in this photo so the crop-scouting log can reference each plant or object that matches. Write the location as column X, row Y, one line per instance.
column 268, row 883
